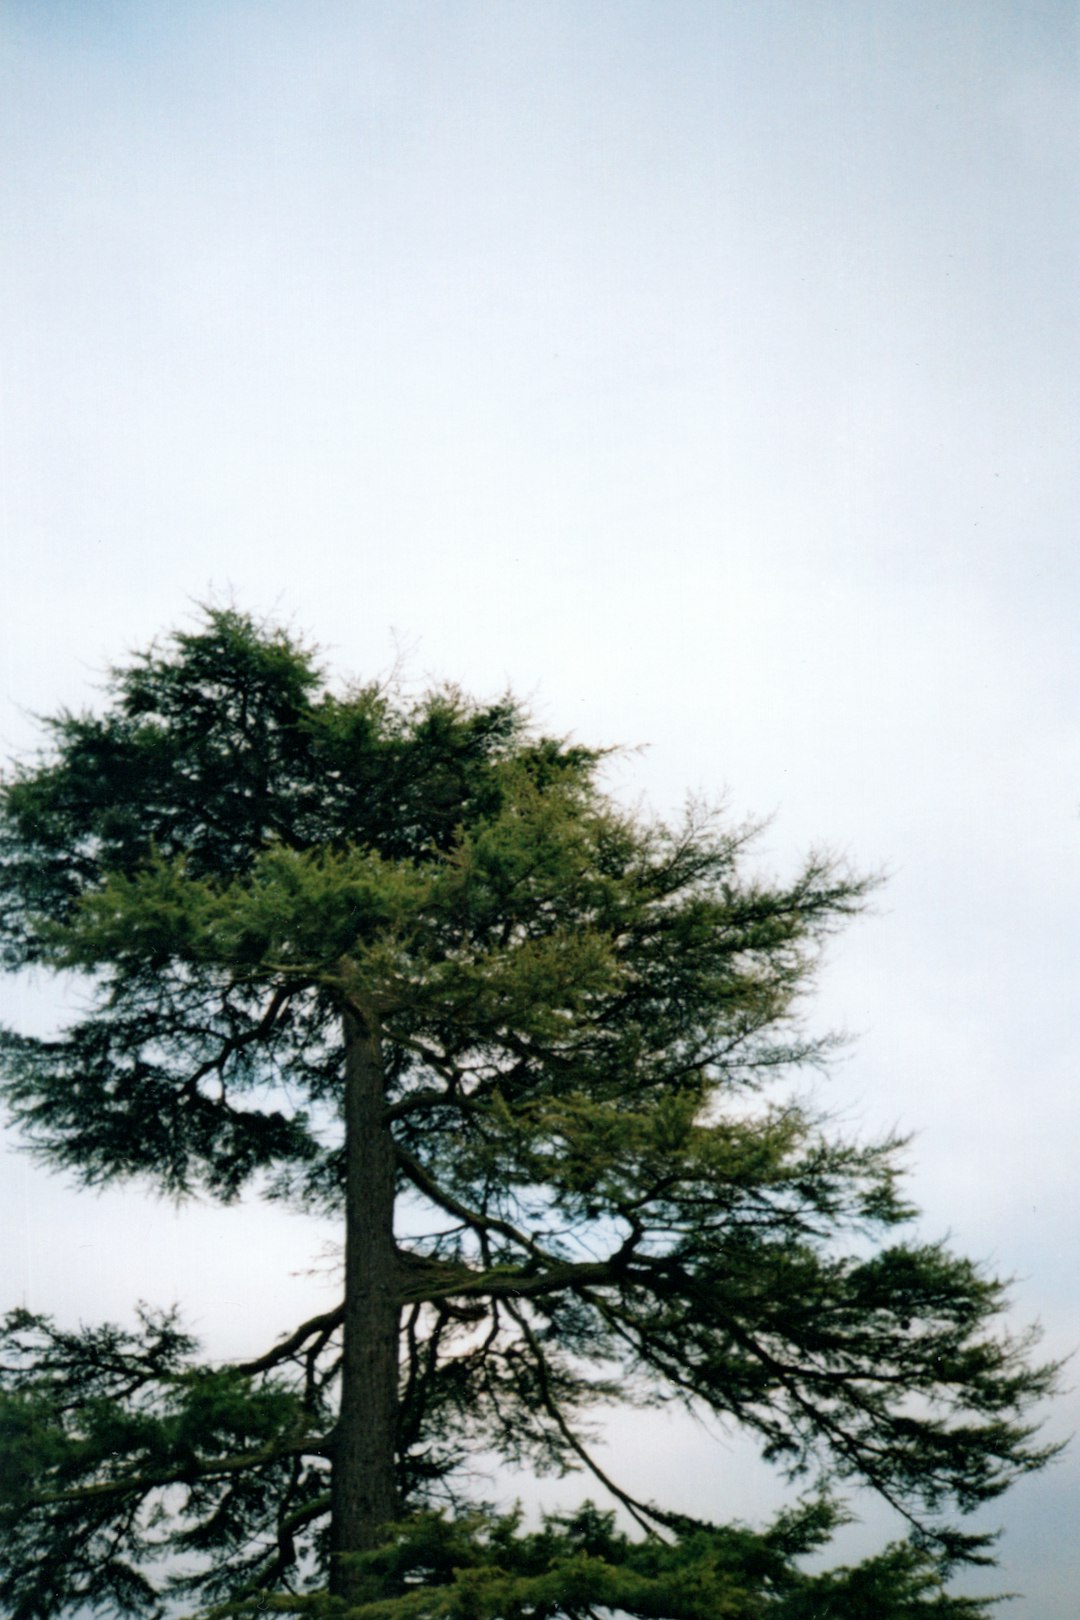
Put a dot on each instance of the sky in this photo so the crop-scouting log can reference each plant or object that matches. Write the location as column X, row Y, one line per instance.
column 708, row 373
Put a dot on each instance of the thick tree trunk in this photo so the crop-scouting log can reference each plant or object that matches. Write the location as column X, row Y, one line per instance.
column 363, row 1496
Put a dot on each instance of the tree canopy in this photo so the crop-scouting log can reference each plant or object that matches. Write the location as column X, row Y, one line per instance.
column 405, row 961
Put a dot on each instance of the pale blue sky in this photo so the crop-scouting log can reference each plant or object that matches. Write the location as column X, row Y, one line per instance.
column 709, row 372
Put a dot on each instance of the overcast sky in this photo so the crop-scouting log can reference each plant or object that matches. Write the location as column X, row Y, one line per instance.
column 708, row 372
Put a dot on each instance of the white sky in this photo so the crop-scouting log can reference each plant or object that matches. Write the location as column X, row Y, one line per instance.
column 708, row 371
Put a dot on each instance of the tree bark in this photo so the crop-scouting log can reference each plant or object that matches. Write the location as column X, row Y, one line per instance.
column 363, row 1485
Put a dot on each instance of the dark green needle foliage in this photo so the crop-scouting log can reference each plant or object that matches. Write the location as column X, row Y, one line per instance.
column 389, row 957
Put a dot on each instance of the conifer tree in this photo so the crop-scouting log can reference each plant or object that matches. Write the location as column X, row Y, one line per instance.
column 391, row 958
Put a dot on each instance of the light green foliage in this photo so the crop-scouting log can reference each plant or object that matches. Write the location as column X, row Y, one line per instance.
column 577, row 1010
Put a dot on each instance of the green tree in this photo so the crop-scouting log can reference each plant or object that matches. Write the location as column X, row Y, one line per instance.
column 405, row 961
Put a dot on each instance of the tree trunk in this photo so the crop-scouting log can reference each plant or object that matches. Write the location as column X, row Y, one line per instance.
column 363, row 1490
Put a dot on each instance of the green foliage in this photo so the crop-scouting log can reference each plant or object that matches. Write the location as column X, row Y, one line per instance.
column 577, row 1011
column 485, row 1567
column 119, row 1451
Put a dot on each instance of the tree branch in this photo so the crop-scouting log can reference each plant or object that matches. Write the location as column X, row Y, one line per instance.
column 142, row 1484
column 424, row 1182
column 324, row 1324
column 638, row 1511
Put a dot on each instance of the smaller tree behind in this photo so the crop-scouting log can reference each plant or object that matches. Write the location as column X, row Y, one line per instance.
column 390, row 958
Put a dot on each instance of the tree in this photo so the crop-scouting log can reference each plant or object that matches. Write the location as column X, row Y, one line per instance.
column 406, row 962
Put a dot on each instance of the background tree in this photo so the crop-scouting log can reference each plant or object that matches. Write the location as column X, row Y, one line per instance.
column 384, row 957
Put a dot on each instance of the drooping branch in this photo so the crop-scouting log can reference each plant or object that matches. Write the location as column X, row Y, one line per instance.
column 326, row 1323
column 640, row 1512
